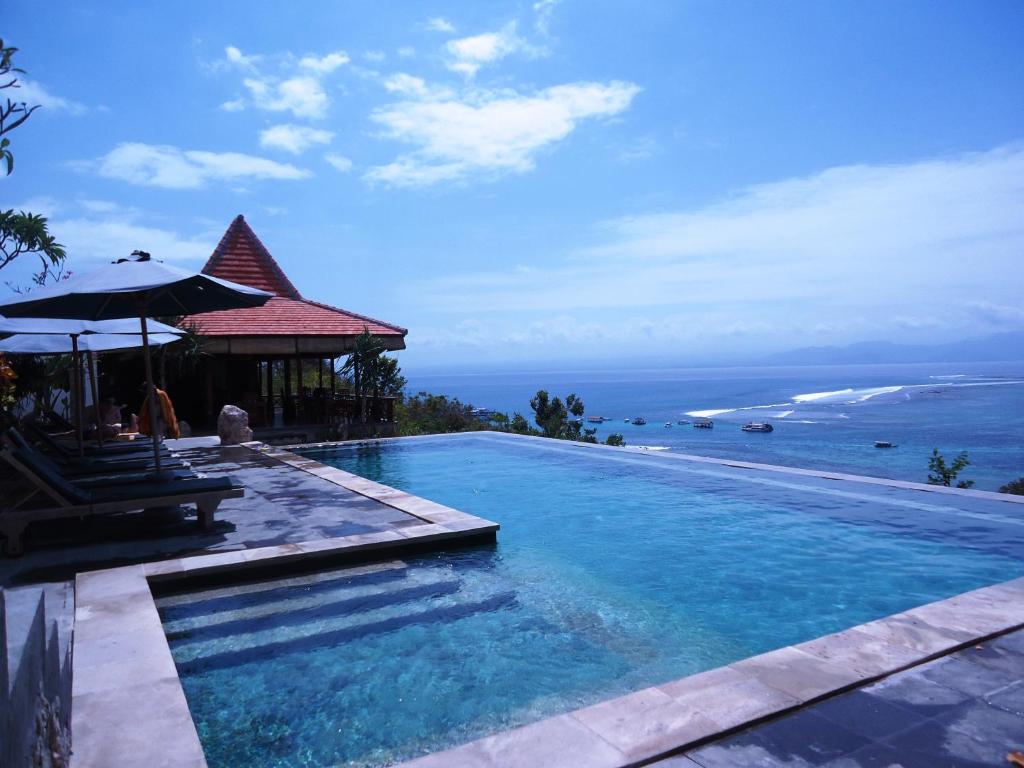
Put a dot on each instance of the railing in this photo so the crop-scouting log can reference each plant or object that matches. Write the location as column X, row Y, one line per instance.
column 317, row 408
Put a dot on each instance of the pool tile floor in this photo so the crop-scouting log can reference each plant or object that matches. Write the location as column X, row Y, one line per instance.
column 965, row 710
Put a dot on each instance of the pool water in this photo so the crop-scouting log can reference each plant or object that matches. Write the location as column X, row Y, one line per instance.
column 614, row 571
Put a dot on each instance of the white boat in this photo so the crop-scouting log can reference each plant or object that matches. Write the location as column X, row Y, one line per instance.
column 668, row 423
column 884, row 444
column 758, row 426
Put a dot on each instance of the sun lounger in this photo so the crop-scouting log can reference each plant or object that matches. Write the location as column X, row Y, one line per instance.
column 72, row 500
column 73, row 467
column 108, row 450
column 109, row 473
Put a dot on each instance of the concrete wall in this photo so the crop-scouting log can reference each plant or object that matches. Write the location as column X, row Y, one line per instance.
column 35, row 680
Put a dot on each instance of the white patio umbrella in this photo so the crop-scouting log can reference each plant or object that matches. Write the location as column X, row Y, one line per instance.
column 136, row 287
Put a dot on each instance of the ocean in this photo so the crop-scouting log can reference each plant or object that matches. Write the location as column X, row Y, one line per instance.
column 826, row 417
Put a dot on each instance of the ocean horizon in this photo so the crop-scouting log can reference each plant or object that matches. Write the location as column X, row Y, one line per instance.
column 824, row 417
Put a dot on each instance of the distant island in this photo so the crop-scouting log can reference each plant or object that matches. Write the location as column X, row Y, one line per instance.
column 997, row 347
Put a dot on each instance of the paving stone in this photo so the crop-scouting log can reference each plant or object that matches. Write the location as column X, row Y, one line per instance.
column 918, row 694
column 746, row 752
column 810, row 737
column 879, row 756
column 994, row 657
column 971, row 736
column 867, row 715
column 1009, row 699
column 958, row 673
column 1013, row 642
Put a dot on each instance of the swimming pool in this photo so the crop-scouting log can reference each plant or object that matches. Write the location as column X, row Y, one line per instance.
column 614, row 571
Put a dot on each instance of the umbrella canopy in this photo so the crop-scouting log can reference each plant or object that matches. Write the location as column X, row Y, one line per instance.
column 130, row 288
column 60, row 344
column 54, row 326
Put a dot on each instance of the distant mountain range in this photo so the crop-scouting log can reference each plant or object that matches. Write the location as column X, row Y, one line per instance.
column 997, row 347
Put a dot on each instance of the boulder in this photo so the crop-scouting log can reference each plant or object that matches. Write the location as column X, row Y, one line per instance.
column 233, row 425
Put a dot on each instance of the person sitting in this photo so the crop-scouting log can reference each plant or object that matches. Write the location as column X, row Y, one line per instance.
column 105, row 419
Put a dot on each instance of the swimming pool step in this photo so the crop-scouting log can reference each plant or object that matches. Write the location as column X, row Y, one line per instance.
column 233, row 598
column 248, row 645
column 303, row 609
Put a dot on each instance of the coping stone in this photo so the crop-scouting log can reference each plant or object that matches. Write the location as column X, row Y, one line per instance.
column 646, row 723
column 798, row 674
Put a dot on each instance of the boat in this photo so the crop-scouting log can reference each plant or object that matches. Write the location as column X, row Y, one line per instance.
column 682, row 422
column 668, row 423
column 758, row 426
column 627, row 421
column 597, row 419
column 639, row 421
column 884, row 444
column 703, row 424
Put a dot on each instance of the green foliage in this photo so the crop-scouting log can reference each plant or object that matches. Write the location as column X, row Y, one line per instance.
column 520, row 426
column 615, row 439
column 22, row 233
column 940, row 473
column 1015, row 487
column 371, row 372
column 12, row 112
column 427, row 414
column 559, row 420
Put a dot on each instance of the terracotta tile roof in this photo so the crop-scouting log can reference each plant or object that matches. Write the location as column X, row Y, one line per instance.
column 289, row 317
column 242, row 258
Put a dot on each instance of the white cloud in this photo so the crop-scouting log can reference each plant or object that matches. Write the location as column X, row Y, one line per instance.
column 233, row 56
column 439, row 24
column 416, row 87
column 234, row 105
column 340, row 162
column 375, row 57
column 174, row 168
column 406, row 52
column 33, row 93
column 850, row 253
column 293, row 138
column 323, row 65
column 486, row 132
column 468, row 54
column 302, row 96
column 543, row 10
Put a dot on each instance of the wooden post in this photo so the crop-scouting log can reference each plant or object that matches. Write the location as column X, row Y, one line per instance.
column 79, row 400
column 287, row 398
column 91, row 357
column 154, row 425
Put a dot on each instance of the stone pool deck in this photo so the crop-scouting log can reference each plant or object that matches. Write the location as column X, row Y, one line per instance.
column 282, row 504
column 965, row 710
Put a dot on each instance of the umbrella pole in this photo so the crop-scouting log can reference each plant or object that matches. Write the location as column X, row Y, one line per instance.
column 76, row 359
column 91, row 359
column 151, row 394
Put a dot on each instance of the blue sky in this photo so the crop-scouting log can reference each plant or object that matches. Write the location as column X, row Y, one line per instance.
column 553, row 181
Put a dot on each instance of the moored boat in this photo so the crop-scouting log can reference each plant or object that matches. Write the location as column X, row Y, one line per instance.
column 703, row 424
column 758, row 426
column 639, row 421
column 884, row 444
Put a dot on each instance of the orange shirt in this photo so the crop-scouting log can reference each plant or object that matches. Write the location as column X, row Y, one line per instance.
column 166, row 415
